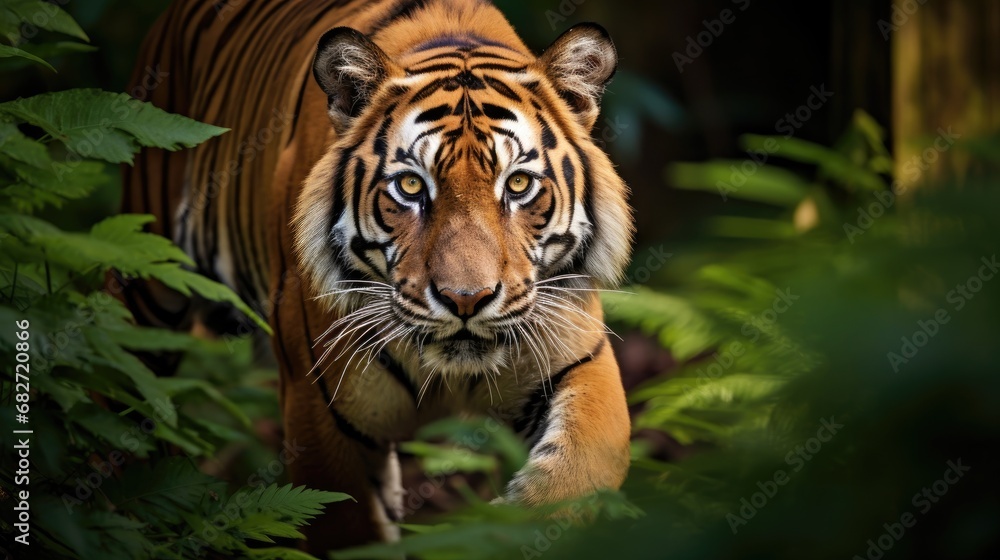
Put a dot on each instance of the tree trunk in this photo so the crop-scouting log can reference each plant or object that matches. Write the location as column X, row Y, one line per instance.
column 946, row 83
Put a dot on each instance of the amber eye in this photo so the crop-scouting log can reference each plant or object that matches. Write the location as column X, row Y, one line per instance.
column 411, row 184
column 518, row 183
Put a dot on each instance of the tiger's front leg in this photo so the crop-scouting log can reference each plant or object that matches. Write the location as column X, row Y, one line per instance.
column 337, row 457
column 584, row 442
column 341, row 446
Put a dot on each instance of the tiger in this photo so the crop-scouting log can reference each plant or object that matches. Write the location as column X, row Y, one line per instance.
column 414, row 201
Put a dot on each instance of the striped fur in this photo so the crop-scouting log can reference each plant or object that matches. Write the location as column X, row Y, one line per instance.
column 392, row 309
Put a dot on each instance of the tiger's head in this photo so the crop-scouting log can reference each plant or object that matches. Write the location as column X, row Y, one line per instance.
column 463, row 200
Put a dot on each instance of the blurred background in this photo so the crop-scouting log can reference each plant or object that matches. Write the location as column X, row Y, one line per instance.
column 809, row 328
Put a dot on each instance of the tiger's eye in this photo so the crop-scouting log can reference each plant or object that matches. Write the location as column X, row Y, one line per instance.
column 411, row 184
column 518, row 183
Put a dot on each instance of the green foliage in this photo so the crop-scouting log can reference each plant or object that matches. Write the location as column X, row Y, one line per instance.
column 105, row 477
column 495, row 531
column 45, row 15
column 8, row 51
column 275, row 511
column 179, row 507
column 107, row 126
column 793, row 365
column 471, row 445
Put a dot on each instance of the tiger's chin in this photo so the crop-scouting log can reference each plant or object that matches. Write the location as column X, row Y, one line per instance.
column 464, row 356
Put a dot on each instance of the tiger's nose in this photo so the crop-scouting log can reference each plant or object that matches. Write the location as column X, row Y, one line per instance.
column 465, row 303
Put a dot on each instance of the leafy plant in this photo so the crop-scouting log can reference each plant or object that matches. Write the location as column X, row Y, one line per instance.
column 106, row 478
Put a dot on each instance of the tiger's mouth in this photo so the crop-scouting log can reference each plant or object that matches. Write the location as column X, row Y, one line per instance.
column 464, row 334
column 466, row 352
column 469, row 345
column 473, row 340
column 531, row 325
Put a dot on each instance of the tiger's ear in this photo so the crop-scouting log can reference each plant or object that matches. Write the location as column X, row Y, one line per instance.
column 580, row 64
column 349, row 67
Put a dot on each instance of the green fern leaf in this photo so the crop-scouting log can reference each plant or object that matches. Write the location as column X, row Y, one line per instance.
column 45, row 15
column 676, row 322
column 8, row 51
column 276, row 511
column 107, row 126
column 158, row 495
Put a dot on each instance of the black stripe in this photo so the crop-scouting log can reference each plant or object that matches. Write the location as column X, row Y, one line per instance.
column 568, row 241
column 418, row 303
column 427, row 91
column 433, row 68
column 548, row 137
column 397, row 371
column 359, row 177
column 345, row 426
column 459, row 56
column 297, row 112
column 434, row 114
column 588, row 195
column 569, row 173
column 537, row 407
column 510, row 302
column 550, row 173
column 500, row 67
column 508, row 133
column 502, row 88
column 481, row 54
column 498, row 113
column 338, row 186
column 377, row 213
column 235, row 29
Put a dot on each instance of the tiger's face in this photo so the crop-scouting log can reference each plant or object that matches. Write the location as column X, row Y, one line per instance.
column 463, row 202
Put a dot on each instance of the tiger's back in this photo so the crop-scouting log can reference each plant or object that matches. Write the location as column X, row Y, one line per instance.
column 244, row 66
